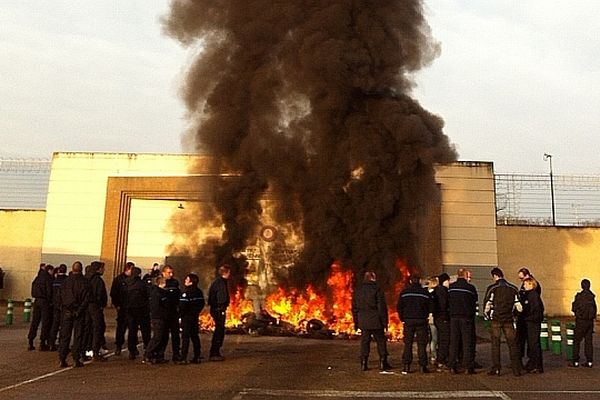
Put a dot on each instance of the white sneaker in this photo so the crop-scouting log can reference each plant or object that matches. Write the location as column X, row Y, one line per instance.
column 89, row 353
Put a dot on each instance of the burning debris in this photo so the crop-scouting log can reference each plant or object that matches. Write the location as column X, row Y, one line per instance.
column 309, row 101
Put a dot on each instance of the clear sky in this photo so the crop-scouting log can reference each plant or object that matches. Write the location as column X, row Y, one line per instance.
column 514, row 80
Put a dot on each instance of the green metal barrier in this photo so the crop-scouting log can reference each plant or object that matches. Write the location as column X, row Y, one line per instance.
column 544, row 335
column 570, row 326
column 556, row 337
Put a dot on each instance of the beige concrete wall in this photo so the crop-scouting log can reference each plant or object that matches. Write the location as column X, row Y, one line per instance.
column 558, row 257
column 468, row 219
column 21, row 238
column 77, row 196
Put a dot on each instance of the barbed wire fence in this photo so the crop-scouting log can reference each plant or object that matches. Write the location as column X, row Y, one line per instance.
column 24, row 183
column 529, row 199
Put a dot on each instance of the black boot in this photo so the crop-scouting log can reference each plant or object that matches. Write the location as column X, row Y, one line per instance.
column 364, row 363
column 30, row 347
column 384, row 365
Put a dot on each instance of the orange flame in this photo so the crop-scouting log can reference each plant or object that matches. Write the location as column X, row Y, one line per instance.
column 297, row 307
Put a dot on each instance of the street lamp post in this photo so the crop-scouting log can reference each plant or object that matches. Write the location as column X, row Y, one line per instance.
column 548, row 157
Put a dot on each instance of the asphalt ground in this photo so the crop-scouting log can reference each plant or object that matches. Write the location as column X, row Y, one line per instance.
column 261, row 367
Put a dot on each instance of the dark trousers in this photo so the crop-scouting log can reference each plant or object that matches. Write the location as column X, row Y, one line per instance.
column 461, row 332
column 190, row 333
column 98, row 327
column 42, row 312
column 420, row 330
column 365, row 342
column 522, row 339
column 443, row 329
column 584, row 329
column 122, row 326
column 219, row 333
column 71, row 325
column 56, row 317
column 173, row 330
column 511, row 340
column 137, row 318
column 158, row 342
column 534, row 347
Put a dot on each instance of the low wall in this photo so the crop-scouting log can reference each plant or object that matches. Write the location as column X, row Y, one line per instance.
column 21, row 233
column 558, row 257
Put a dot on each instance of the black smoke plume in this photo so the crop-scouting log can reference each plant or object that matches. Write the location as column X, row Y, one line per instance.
column 310, row 100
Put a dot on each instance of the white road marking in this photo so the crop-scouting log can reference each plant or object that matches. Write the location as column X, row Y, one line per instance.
column 48, row 375
column 363, row 394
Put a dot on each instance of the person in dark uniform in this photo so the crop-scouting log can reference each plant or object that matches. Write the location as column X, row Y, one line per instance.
column 414, row 306
column 585, row 310
column 370, row 314
column 462, row 303
column 532, row 316
column 135, row 306
column 117, row 293
column 218, row 300
column 41, row 291
column 522, row 334
column 74, row 298
column 61, row 276
column 501, row 304
column 173, row 293
column 155, row 351
column 98, row 302
column 441, row 319
column 191, row 304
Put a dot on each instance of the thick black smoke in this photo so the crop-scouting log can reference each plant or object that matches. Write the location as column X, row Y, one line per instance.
column 309, row 99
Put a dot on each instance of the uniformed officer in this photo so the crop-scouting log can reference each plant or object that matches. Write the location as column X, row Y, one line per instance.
column 117, row 293
column 74, row 296
column 462, row 303
column 41, row 291
column 414, row 306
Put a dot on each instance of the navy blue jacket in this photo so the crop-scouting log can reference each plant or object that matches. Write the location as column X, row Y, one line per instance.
column 415, row 303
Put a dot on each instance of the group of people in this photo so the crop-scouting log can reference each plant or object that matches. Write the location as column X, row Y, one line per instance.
column 71, row 307
column 446, row 312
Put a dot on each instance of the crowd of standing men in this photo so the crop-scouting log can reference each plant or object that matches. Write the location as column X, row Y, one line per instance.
column 70, row 309
column 443, row 316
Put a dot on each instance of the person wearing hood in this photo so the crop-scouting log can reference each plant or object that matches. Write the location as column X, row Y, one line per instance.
column 585, row 310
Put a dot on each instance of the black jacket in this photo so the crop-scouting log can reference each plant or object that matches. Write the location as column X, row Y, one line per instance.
column 41, row 287
column 369, row 308
column 502, row 301
column 173, row 293
column 135, row 293
column 462, row 299
column 99, row 296
column 56, row 285
column 584, row 306
column 118, row 289
column 158, row 303
column 218, row 294
column 440, row 303
column 533, row 307
column 414, row 303
column 191, row 302
column 75, row 294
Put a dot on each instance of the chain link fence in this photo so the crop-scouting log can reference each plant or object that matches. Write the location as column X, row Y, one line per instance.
column 24, row 183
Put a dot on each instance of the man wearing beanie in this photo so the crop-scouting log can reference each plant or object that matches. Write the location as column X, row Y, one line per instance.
column 584, row 308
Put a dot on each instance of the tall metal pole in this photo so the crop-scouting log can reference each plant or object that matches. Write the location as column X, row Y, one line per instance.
column 548, row 157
